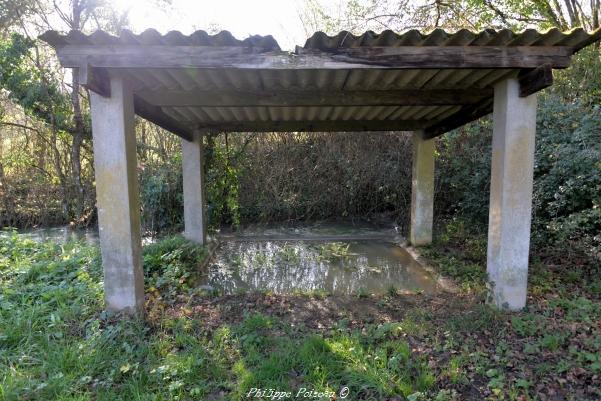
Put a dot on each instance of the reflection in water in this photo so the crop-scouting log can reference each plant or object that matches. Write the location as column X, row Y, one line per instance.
column 336, row 267
column 60, row 234
column 315, row 230
column 64, row 234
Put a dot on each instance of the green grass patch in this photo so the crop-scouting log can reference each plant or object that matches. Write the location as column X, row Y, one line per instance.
column 57, row 343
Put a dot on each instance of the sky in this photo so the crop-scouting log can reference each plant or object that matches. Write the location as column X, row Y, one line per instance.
column 280, row 18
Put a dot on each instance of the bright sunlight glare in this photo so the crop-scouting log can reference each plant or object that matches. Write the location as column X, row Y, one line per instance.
column 279, row 18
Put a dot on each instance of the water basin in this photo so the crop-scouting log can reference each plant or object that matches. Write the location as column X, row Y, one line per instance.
column 368, row 266
column 59, row 234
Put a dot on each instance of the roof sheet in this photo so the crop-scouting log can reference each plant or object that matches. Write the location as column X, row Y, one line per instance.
column 177, row 94
column 576, row 38
column 153, row 37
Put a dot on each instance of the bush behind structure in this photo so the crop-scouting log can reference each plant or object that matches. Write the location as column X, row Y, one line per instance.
column 309, row 176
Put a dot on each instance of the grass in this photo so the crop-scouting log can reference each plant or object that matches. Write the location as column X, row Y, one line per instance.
column 56, row 343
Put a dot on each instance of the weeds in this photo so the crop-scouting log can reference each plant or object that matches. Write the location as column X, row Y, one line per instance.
column 57, row 343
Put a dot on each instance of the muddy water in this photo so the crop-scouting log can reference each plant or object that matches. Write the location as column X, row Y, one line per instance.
column 338, row 267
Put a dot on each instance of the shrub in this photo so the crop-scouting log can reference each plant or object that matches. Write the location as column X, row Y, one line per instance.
column 161, row 195
column 567, row 173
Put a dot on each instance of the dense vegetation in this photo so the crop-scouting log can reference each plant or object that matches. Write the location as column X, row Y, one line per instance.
column 46, row 170
column 46, row 164
column 57, row 343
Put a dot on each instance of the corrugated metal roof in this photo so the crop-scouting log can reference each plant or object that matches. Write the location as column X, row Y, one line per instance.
column 161, row 80
column 152, row 85
column 153, row 37
column 576, row 38
column 198, row 80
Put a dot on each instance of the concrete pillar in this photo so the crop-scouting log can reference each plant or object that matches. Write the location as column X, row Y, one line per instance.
column 117, row 197
column 194, row 192
column 422, row 191
column 510, row 195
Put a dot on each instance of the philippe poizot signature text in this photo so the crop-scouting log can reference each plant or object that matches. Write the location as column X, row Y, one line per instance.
column 303, row 393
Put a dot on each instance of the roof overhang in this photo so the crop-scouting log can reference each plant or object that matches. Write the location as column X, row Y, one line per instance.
column 385, row 82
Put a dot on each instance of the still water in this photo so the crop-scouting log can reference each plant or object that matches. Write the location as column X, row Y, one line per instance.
column 60, row 234
column 337, row 267
column 335, row 258
column 63, row 234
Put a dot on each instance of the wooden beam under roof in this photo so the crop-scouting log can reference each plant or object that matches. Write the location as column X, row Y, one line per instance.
column 95, row 79
column 155, row 115
column 466, row 115
column 288, row 98
column 314, row 126
column 532, row 81
column 402, row 57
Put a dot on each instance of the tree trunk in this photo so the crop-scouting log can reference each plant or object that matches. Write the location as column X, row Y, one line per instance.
column 78, row 136
column 572, row 13
column 59, row 172
column 556, row 17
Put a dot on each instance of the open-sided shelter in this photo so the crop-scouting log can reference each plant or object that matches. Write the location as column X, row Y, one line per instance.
column 425, row 83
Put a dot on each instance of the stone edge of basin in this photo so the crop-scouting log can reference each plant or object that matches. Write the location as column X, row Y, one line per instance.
column 446, row 284
column 213, row 243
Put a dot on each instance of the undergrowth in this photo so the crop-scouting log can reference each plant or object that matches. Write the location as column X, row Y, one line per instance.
column 56, row 343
